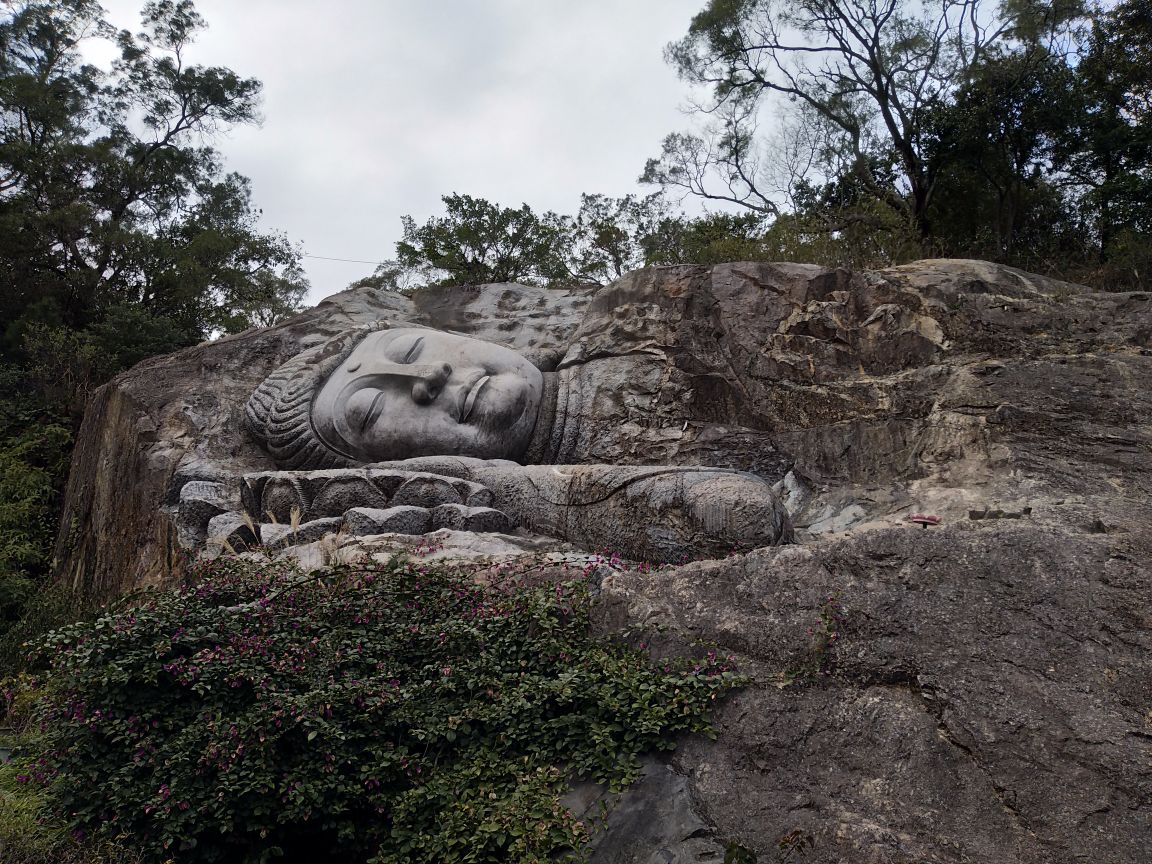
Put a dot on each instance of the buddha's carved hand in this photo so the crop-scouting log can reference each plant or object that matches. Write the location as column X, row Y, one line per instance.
column 280, row 508
column 655, row 513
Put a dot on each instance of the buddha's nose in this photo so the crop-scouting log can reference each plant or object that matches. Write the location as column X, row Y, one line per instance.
column 429, row 382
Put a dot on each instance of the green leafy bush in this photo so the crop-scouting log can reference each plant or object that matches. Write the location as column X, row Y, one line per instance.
column 30, row 834
column 402, row 713
column 35, row 443
column 31, row 465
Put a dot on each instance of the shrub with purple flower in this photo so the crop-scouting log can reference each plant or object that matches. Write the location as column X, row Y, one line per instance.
column 406, row 712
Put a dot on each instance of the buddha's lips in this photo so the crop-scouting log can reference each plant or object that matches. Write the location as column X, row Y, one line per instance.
column 472, row 395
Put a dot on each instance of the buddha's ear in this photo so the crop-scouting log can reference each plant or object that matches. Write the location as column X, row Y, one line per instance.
column 544, row 359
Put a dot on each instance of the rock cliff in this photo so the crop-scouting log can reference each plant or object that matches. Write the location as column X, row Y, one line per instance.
column 974, row 690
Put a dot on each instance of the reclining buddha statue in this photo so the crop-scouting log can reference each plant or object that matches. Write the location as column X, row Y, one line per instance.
column 425, row 405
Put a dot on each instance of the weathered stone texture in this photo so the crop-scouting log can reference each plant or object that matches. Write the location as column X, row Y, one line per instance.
column 986, row 696
column 177, row 418
column 980, row 691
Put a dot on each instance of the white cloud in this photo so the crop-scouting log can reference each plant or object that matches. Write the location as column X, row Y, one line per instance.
column 376, row 109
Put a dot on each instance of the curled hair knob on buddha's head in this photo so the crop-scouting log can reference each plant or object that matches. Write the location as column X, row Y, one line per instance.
column 379, row 394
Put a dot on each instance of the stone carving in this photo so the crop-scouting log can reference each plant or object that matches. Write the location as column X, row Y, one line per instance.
column 666, row 514
column 986, row 696
column 377, row 394
column 860, row 397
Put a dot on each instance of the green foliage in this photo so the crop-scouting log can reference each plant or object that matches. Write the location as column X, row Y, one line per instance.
column 824, row 635
column 734, row 853
column 611, row 236
column 401, row 278
column 30, row 834
column 865, row 234
column 52, row 605
column 868, row 73
column 34, row 446
column 1020, row 133
column 478, row 242
column 839, row 224
column 109, row 196
column 121, row 236
column 482, row 242
column 403, row 713
column 989, row 147
column 29, row 471
column 63, row 366
column 710, row 239
column 1107, row 148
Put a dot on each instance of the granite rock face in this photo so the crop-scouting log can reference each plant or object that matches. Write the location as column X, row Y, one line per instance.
column 941, row 385
column 980, row 692
column 975, row 690
column 176, row 419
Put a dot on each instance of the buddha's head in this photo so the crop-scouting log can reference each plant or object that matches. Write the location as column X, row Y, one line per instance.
column 383, row 394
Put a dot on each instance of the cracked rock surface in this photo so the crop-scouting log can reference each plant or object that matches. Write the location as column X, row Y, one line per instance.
column 977, row 693
column 979, row 690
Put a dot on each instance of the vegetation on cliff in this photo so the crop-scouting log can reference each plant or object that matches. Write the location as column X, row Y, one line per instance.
column 400, row 713
column 1016, row 132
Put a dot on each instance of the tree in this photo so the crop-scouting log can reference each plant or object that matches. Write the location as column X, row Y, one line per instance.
column 867, row 72
column 479, row 242
column 109, row 192
column 1107, row 150
column 33, row 458
column 121, row 236
column 611, row 236
column 991, row 150
column 690, row 164
column 392, row 275
column 714, row 238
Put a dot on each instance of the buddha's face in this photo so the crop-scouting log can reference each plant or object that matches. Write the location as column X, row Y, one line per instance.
column 409, row 392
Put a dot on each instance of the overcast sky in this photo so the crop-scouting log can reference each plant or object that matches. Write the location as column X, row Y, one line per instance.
column 375, row 108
